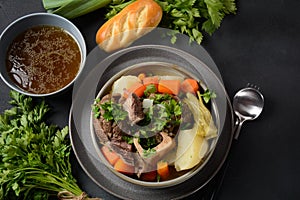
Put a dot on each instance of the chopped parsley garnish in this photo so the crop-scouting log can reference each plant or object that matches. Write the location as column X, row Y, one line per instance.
column 208, row 95
column 112, row 111
column 158, row 98
column 150, row 89
column 149, row 152
column 128, row 139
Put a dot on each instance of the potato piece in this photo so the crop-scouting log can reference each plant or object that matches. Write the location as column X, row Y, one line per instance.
column 124, row 82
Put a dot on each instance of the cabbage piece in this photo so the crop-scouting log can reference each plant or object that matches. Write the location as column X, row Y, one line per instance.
column 202, row 116
column 193, row 143
column 191, row 149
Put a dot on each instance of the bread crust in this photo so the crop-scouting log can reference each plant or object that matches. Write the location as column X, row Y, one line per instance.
column 134, row 21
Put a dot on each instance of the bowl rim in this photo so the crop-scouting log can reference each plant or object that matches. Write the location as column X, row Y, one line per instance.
column 79, row 39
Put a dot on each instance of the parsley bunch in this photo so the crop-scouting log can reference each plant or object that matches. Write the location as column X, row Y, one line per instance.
column 34, row 156
column 190, row 17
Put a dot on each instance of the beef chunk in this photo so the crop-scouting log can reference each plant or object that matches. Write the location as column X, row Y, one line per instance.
column 123, row 149
column 116, row 130
column 106, row 125
column 114, row 98
column 101, row 134
column 118, row 142
column 106, row 98
column 134, row 108
column 111, row 133
column 187, row 117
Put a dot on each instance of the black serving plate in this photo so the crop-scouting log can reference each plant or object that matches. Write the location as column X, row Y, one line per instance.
column 101, row 66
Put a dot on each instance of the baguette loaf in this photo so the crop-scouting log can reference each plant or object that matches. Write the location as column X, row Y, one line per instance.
column 134, row 21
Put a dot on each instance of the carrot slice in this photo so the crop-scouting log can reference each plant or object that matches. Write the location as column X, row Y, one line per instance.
column 110, row 155
column 138, row 89
column 163, row 170
column 169, row 86
column 151, row 80
column 189, row 85
column 123, row 167
column 149, row 176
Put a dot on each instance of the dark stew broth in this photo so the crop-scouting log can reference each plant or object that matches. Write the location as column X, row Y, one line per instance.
column 43, row 59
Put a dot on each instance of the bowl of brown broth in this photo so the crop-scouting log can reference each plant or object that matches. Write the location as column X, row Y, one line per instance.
column 41, row 54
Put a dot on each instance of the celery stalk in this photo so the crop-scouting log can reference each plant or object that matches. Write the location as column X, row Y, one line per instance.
column 53, row 4
column 76, row 8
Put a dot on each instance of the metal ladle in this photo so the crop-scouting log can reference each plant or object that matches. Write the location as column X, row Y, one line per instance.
column 247, row 105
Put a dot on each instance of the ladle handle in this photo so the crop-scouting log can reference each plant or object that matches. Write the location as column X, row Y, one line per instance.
column 238, row 128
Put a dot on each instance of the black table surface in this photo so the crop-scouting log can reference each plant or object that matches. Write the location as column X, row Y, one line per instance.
column 260, row 45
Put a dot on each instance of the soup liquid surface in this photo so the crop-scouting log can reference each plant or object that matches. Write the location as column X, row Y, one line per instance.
column 43, row 59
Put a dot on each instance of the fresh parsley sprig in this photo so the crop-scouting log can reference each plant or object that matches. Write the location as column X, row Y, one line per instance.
column 190, row 17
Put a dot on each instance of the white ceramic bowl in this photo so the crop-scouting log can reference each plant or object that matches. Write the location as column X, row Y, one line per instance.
column 32, row 20
column 161, row 69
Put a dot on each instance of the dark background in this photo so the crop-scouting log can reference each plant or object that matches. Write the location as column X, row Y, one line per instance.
column 260, row 45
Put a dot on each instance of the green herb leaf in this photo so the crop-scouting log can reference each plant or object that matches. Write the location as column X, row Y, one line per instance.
column 150, row 89
column 112, row 111
column 149, row 152
column 128, row 139
column 208, row 95
column 189, row 17
column 214, row 9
